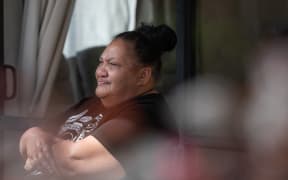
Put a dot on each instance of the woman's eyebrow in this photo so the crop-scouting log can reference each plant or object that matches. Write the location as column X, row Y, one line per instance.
column 110, row 59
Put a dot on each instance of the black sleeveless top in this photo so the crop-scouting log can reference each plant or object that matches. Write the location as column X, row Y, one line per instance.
column 148, row 114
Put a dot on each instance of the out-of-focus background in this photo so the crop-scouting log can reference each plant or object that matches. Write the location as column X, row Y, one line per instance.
column 226, row 81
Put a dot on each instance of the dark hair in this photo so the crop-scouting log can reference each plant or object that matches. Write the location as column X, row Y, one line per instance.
column 150, row 42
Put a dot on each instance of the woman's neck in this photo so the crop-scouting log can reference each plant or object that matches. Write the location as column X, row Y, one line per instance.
column 113, row 101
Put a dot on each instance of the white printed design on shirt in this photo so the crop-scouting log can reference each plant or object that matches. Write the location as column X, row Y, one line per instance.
column 79, row 126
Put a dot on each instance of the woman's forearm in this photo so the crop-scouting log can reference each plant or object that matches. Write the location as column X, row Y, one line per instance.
column 69, row 155
column 87, row 156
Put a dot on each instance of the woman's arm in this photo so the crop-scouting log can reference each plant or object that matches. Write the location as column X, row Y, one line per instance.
column 90, row 156
column 85, row 157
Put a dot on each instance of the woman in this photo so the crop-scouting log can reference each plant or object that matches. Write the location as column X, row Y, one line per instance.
column 126, row 107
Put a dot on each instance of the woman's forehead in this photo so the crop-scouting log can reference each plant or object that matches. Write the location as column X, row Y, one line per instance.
column 120, row 49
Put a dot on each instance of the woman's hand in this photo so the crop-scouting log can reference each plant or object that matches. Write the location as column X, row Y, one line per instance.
column 35, row 147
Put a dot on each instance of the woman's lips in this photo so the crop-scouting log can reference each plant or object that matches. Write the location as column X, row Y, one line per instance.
column 99, row 83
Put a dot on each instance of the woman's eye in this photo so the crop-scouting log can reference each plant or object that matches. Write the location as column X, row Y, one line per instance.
column 113, row 64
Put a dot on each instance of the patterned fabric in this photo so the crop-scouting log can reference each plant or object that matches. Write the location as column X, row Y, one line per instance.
column 79, row 126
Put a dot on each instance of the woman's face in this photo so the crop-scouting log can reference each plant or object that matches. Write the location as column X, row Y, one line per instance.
column 117, row 73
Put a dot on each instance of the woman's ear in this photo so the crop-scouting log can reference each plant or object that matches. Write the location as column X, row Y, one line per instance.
column 144, row 76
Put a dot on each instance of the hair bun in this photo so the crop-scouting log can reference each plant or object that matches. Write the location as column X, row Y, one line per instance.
column 162, row 37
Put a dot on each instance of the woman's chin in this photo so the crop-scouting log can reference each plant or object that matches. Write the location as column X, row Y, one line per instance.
column 101, row 93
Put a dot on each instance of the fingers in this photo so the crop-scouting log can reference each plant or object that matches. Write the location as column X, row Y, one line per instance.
column 43, row 165
column 47, row 161
column 38, row 151
column 41, row 159
column 28, row 164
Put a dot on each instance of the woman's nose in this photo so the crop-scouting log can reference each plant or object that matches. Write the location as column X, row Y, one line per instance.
column 101, row 71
